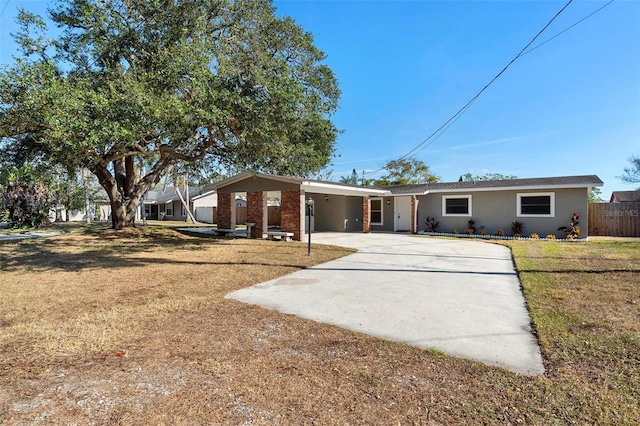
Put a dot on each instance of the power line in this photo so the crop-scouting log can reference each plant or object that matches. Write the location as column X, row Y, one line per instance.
column 568, row 28
column 4, row 8
column 432, row 137
column 473, row 99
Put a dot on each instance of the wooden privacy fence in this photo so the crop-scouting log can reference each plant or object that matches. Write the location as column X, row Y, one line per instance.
column 614, row 219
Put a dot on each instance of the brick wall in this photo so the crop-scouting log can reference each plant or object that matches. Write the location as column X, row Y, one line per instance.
column 223, row 211
column 290, row 219
column 255, row 212
column 366, row 220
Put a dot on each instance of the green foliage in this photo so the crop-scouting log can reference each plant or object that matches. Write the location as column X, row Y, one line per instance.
column 407, row 171
column 468, row 177
column 595, row 195
column 517, row 228
column 632, row 172
column 352, row 179
column 572, row 231
column 223, row 85
column 432, row 224
column 25, row 200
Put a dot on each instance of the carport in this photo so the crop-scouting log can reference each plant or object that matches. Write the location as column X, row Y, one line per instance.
column 338, row 207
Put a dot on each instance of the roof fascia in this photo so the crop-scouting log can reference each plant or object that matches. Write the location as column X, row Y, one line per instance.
column 313, row 186
column 204, row 194
column 407, row 194
column 247, row 175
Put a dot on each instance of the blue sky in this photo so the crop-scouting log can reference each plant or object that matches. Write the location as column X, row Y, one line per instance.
column 569, row 107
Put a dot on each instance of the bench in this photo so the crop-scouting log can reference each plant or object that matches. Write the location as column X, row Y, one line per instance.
column 277, row 235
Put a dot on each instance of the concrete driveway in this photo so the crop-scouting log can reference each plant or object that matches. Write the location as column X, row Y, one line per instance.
column 458, row 296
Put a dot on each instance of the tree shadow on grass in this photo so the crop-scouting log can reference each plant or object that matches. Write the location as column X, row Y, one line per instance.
column 111, row 250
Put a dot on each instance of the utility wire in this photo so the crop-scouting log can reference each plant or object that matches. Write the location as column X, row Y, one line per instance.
column 568, row 28
column 4, row 8
column 457, row 115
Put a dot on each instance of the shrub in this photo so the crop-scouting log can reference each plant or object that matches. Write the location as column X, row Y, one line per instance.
column 573, row 230
column 483, row 230
column 25, row 204
column 534, row 236
column 432, row 225
column 516, row 228
column 455, row 231
column 551, row 237
column 499, row 233
column 471, row 226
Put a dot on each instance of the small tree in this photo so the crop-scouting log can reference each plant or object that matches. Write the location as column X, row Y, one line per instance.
column 407, row 171
column 68, row 193
column 352, row 179
column 595, row 195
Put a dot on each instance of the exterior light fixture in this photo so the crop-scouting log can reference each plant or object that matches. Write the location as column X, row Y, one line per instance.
column 326, row 198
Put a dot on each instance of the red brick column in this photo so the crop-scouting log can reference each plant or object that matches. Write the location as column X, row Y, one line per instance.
column 291, row 216
column 366, row 220
column 255, row 212
column 223, row 211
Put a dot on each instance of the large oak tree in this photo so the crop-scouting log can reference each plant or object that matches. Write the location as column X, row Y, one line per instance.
column 215, row 83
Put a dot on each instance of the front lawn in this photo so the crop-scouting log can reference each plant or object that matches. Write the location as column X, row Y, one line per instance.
column 133, row 328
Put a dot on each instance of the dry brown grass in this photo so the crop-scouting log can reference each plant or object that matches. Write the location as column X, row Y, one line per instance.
column 99, row 328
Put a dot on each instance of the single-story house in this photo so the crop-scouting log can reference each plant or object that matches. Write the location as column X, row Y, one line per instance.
column 542, row 204
column 625, row 196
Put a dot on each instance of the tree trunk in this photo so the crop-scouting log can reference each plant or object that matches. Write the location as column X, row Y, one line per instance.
column 124, row 193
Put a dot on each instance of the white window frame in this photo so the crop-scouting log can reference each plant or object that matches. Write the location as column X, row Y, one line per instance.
column 381, row 211
column 168, row 209
column 552, row 202
column 448, row 197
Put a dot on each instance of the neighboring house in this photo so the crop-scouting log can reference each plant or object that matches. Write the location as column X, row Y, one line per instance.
column 204, row 206
column 625, row 196
column 165, row 204
column 542, row 204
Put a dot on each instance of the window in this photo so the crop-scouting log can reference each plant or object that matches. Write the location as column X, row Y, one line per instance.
column 456, row 205
column 169, row 209
column 183, row 211
column 376, row 211
column 536, row 204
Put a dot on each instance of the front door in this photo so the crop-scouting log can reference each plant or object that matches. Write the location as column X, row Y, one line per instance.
column 402, row 213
